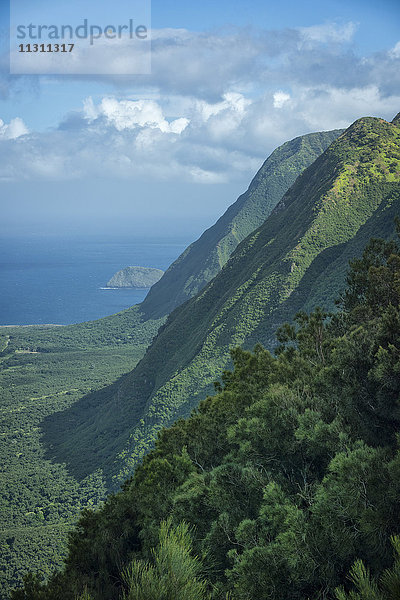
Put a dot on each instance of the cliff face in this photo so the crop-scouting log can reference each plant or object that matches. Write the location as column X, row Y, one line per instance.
column 135, row 277
column 204, row 259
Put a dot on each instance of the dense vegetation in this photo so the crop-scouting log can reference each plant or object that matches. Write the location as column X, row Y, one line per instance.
column 296, row 260
column 203, row 259
column 75, row 426
column 45, row 370
column 54, row 380
column 279, row 485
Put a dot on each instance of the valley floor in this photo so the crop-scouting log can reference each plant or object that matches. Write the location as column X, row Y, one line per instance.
column 45, row 370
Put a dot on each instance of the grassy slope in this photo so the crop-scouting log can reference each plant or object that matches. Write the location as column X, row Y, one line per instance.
column 203, row 259
column 44, row 370
column 346, row 189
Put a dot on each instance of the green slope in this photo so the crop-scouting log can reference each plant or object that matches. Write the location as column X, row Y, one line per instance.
column 307, row 239
column 203, row 259
column 61, row 378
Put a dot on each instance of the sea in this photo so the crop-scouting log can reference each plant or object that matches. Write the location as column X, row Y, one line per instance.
column 61, row 280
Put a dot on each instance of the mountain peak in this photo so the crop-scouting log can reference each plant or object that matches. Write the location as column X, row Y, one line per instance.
column 396, row 120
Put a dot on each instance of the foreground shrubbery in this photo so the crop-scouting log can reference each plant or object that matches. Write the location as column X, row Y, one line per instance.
column 277, row 484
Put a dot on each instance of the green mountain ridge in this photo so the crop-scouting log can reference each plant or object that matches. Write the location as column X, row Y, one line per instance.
column 350, row 189
column 203, row 259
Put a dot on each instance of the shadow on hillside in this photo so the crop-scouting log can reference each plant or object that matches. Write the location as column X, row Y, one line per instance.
column 325, row 278
column 88, row 435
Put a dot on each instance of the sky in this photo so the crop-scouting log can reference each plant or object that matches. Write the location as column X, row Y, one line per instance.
column 230, row 81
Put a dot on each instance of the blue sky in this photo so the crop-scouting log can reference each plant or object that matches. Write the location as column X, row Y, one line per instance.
column 230, row 82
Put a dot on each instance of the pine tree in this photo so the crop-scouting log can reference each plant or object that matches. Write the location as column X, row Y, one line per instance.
column 368, row 588
column 174, row 573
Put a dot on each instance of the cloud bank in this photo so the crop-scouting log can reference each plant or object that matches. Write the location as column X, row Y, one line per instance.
column 215, row 106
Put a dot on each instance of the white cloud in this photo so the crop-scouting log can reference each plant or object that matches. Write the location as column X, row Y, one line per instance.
column 330, row 107
column 208, row 142
column 329, row 32
column 13, row 130
column 128, row 114
column 280, row 98
column 234, row 102
column 210, row 64
column 395, row 51
column 209, row 81
column 192, row 141
column 201, row 176
column 135, row 139
column 90, row 111
column 215, row 106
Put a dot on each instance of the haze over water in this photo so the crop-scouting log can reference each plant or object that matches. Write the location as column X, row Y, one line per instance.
column 58, row 279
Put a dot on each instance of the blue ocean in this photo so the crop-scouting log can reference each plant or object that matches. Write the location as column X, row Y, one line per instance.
column 53, row 279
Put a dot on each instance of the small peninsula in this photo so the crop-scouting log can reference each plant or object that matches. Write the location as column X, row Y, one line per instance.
column 135, row 277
